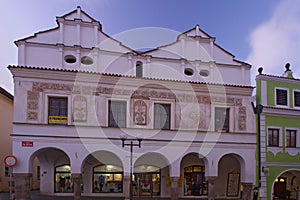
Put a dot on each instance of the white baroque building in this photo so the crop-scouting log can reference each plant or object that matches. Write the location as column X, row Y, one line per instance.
column 78, row 92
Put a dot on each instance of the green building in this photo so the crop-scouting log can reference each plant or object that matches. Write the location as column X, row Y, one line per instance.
column 278, row 147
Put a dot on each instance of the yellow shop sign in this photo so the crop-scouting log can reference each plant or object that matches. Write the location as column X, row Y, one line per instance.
column 58, row 119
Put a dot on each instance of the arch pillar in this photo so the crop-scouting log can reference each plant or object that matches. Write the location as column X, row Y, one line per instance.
column 211, row 187
column 247, row 191
column 174, row 188
column 22, row 186
column 76, row 183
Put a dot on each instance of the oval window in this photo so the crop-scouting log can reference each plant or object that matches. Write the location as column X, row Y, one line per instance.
column 188, row 71
column 204, row 73
column 86, row 60
column 70, row 59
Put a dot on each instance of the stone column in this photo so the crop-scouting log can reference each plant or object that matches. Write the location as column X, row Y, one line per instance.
column 247, row 191
column 76, row 185
column 174, row 188
column 211, row 187
column 126, row 187
column 22, row 186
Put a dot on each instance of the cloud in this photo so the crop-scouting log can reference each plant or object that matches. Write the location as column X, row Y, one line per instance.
column 277, row 41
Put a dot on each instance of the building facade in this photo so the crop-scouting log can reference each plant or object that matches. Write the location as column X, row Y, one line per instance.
column 6, row 119
column 84, row 101
column 280, row 139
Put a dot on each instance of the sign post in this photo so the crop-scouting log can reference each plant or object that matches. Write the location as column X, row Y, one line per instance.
column 10, row 161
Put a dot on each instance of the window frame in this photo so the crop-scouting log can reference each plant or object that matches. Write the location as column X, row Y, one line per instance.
column 109, row 113
column 278, row 136
column 46, row 106
column 295, row 137
column 169, row 115
column 227, row 117
column 287, row 97
column 294, row 102
column 67, row 109
column 139, row 69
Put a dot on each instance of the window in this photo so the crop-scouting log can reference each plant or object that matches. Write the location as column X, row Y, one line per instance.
column 162, row 117
column 195, row 181
column 281, row 97
column 107, row 178
column 139, row 69
column 58, row 110
column 297, row 98
column 63, row 180
column 188, row 71
column 222, row 119
column 70, row 59
column 117, row 114
column 38, row 172
column 273, row 137
column 290, row 136
column 86, row 60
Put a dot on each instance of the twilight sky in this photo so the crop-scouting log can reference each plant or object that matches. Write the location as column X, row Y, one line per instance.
column 261, row 32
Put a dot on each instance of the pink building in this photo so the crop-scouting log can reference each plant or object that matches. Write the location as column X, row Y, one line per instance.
column 79, row 92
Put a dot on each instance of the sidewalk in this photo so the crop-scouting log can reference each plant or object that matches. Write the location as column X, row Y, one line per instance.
column 35, row 195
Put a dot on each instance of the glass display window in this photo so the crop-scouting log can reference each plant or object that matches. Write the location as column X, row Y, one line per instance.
column 63, row 180
column 107, row 179
column 195, row 183
column 146, row 182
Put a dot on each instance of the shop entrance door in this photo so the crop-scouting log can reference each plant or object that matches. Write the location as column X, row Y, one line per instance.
column 146, row 184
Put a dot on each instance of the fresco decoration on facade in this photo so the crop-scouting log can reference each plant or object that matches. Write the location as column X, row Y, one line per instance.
column 140, row 112
column 41, row 86
column 242, row 117
column 32, row 105
column 282, row 157
column 79, row 109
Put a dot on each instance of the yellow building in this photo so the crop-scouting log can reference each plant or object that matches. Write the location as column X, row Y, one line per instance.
column 6, row 118
column 6, row 125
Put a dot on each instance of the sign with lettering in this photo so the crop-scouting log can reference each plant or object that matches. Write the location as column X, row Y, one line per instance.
column 27, row 143
column 58, row 119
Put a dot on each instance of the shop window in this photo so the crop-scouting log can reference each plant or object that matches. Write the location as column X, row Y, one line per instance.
column 107, row 179
column 146, row 181
column 139, row 69
column 58, row 110
column 281, row 97
column 117, row 114
column 222, row 119
column 297, row 98
column 195, row 183
column 162, row 116
column 290, row 138
column 273, row 137
column 63, row 180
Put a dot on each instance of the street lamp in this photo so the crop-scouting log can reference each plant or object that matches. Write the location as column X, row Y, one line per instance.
column 258, row 110
column 131, row 144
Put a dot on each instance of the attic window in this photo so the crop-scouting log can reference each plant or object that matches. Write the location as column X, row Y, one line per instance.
column 70, row 59
column 204, row 73
column 87, row 60
column 188, row 71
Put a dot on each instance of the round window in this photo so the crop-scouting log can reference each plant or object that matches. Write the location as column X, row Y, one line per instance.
column 188, row 71
column 204, row 73
column 70, row 59
column 87, row 60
